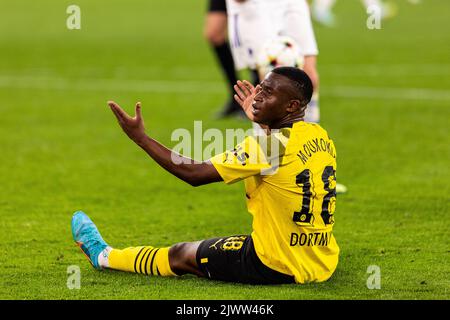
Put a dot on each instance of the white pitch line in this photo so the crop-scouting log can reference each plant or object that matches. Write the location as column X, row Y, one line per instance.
column 387, row 93
column 386, row 70
column 192, row 86
column 203, row 72
column 126, row 85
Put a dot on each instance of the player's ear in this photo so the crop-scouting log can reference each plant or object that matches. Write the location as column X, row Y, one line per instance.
column 293, row 106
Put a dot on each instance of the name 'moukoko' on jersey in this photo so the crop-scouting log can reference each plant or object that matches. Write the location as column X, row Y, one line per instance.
column 290, row 184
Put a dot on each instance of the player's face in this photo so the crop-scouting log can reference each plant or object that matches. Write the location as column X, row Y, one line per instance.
column 270, row 102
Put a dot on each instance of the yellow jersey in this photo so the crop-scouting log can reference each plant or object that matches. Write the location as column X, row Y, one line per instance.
column 290, row 184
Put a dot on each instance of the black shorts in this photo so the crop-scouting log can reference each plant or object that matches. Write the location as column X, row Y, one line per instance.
column 217, row 6
column 234, row 259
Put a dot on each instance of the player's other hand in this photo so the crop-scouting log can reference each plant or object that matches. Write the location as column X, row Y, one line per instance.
column 245, row 94
column 132, row 126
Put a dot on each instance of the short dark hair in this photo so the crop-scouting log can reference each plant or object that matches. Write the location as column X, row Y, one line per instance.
column 301, row 81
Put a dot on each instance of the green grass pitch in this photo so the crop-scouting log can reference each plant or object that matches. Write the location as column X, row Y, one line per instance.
column 385, row 100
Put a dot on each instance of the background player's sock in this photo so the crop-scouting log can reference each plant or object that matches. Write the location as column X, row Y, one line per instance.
column 145, row 260
column 225, row 57
column 312, row 113
column 255, row 77
column 223, row 53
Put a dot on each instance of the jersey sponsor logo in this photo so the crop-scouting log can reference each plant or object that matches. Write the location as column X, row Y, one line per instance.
column 313, row 146
column 310, row 239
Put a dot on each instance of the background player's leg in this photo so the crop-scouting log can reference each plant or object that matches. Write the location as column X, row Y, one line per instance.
column 312, row 111
column 298, row 25
column 216, row 34
column 255, row 77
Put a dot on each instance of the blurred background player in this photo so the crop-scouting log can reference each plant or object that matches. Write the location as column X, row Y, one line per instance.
column 251, row 23
column 322, row 10
column 215, row 32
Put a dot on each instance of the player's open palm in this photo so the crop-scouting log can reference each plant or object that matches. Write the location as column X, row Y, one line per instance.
column 132, row 126
column 245, row 93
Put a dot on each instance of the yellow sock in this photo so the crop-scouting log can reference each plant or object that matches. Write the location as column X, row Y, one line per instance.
column 145, row 260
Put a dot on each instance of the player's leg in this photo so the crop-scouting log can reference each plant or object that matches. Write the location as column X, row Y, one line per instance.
column 169, row 261
column 298, row 25
column 231, row 259
column 312, row 113
column 176, row 260
column 215, row 32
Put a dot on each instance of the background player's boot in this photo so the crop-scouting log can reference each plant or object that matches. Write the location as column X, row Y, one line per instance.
column 231, row 108
column 325, row 18
column 340, row 188
column 87, row 237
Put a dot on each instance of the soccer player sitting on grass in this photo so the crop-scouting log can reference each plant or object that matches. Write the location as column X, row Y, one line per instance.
column 291, row 195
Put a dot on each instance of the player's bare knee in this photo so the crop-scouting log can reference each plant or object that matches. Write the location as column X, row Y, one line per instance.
column 176, row 252
column 182, row 257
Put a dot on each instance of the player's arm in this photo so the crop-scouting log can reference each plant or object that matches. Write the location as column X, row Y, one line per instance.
column 186, row 169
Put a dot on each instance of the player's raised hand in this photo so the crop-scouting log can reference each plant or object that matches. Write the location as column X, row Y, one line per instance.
column 132, row 126
column 245, row 93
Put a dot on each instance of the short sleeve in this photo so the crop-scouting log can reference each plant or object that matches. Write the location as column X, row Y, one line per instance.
column 245, row 160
